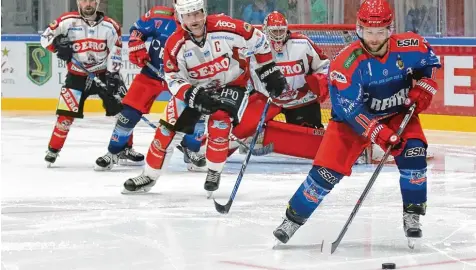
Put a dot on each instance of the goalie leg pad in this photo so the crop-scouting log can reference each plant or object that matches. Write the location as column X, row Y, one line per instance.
column 412, row 166
column 127, row 119
column 319, row 182
column 219, row 126
column 293, row 140
column 60, row 132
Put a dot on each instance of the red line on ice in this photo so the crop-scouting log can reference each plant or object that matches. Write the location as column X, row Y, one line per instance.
column 250, row 265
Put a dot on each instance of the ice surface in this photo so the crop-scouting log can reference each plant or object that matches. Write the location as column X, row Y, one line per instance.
column 71, row 217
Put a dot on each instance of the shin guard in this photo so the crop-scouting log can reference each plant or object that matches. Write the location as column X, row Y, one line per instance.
column 219, row 126
column 160, row 151
column 319, row 182
column 412, row 165
column 127, row 119
column 60, row 132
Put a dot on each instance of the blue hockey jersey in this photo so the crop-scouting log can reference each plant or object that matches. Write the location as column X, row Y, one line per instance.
column 157, row 24
column 365, row 89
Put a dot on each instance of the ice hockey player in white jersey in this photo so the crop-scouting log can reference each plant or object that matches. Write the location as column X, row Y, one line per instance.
column 94, row 40
column 207, row 70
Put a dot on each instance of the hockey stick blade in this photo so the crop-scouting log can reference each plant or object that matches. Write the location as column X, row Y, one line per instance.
column 369, row 185
column 223, row 209
column 265, row 150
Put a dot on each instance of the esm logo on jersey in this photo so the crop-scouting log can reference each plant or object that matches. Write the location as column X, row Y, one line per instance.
column 412, row 42
column 225, row 24
column 210, row 69
column 292, row 68
column 84, row 45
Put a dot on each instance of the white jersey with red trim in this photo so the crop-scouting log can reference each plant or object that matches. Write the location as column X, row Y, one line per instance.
column 98, row 46
column 300, row 57
column 222, row 60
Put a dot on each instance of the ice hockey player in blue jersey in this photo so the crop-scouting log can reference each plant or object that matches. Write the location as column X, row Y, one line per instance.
column 156, row 25
column 372, row 82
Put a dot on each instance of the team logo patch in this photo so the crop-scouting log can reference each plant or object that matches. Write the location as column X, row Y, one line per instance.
column 170, row 65
column 219, row 124
column 38, row 63
column 400, row 63
column 311, row 194
column 418, row 178
column 338, row 77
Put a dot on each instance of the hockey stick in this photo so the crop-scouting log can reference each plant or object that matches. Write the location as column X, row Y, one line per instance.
column 404, row 123
column 103, row 85
column 224, row 209
column 267, row 149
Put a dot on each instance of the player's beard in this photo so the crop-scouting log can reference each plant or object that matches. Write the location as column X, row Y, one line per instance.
column 377, row 48
column 88, row 11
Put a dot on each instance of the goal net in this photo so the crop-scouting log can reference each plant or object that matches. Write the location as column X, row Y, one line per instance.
column 331, row 38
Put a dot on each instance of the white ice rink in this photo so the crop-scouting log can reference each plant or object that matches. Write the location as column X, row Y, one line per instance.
column 71, row 217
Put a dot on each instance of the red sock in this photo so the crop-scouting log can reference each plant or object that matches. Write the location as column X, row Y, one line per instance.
column 219, row 125
column 157, row 149
column 60, row 132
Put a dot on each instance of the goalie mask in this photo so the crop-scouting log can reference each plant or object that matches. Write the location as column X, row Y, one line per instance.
column 88, row 8
column 192, row 15
column 374, row 24
column 275, row 27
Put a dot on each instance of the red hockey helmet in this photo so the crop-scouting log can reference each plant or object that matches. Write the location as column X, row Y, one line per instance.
column 275, row 27
column 374, row 13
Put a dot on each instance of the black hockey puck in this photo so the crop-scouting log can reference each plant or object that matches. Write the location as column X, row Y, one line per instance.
column 388, row 266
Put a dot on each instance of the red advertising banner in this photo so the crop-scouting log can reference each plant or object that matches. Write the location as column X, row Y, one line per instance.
column 456, row 80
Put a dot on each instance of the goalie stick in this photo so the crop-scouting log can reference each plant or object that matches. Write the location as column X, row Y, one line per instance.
column 224, row 209
column 404, row 123
column 103, row 85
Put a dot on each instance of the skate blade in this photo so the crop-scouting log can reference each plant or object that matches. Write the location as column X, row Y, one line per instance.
column 193, row 168
column 49, row 164
column 139, row 191
column 126, row 162
column 277, row 244
column 412, row 242
column 98, row 168
column 209, row 195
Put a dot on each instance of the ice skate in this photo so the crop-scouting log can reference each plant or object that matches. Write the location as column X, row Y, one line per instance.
column 139, row 184
column 129, row 157
column 195, row 161
column 411, row 222
column 286, row 230
column 106, row 162
column 212, row 182
column 51, row 156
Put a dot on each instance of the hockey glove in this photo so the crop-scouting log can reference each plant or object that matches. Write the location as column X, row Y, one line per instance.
column 63, row 47
column 115, row 85
column 201, row 100
column 111, row 104
column 421, row 94
column 384, row 137
column 318, row 85
column 272, row 78
column 138, row 54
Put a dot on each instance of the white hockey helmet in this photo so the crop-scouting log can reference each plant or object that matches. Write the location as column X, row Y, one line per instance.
column 183, row 7
column 84, row 15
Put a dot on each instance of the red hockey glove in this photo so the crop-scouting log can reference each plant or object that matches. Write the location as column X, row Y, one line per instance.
column 138, row 53
column 422, row 94
column 318, row 85
column 384, row 136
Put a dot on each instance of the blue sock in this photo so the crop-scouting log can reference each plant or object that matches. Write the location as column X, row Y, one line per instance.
column 319, row 182
column 412, row 165
column 126, row 121
column 191, row 141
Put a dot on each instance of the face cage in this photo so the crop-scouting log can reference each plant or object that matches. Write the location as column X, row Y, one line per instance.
column 88, row 17
column 277, row 38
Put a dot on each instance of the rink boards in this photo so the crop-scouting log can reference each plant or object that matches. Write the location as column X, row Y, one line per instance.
column 32, row 79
